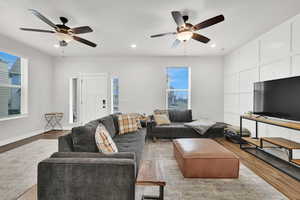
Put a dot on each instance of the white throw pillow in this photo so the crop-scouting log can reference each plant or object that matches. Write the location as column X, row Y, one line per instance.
column 104, row 141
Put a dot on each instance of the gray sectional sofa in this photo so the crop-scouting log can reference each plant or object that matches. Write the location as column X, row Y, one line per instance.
column 79, row 171
column 177, row 129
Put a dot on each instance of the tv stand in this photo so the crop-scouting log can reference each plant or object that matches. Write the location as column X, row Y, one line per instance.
column 257, row 145
column 258, row 116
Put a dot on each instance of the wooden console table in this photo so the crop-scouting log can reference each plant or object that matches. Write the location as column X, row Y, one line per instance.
column 257, row 145
column 151, row 174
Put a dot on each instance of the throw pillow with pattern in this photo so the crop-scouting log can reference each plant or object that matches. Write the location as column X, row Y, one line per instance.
column 138, row 119
column 104, row 141
column 127, row 123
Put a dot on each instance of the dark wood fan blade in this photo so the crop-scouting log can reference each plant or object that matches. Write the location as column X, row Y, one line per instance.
column 81, row 30
column 163, row 34
column 36, row 30
column 200, row 38
column 209, row 22
column 176, row 43
column 84, row 41
column 43, row 18
column 178, row 18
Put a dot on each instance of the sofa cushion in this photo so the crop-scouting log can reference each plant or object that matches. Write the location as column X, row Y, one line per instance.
column 83, row 138
column 108, row 122
column 174, row 130
column 180, row 115
column 93, row 124
column 132, row 142
column 116, row 122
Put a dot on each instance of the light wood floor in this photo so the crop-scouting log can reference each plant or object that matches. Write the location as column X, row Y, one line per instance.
column 282, row 182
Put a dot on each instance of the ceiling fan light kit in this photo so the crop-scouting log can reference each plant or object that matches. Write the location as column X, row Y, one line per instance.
column 184, row 36
column 63, row 33
column 185, row 31
column 64, row 37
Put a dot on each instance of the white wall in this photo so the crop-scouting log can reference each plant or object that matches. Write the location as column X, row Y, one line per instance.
column 275, row 54
column 143, row 82
column 39, row 91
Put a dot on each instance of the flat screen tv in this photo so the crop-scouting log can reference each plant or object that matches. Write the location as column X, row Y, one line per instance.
column 278, row 98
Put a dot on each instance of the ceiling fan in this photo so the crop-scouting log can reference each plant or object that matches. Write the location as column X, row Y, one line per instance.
column 185, row 31
column 64, row 33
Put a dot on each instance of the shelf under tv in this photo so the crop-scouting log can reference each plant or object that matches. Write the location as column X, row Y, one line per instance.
column 285, row 124
column 256, row 146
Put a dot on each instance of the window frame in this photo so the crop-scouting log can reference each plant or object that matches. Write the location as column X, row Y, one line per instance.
column 112, row 95
column 23, row 86
column 189, row 90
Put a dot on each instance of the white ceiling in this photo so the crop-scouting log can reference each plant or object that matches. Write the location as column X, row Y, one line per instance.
column 119, row 23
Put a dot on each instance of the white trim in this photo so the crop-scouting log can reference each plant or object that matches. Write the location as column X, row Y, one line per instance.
column 24, row 86
column 13, row 117
column 188, row 90
column 15, row 139
column 10, row 86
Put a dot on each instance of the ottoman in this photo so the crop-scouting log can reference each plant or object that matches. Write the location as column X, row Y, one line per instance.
column 205, row 158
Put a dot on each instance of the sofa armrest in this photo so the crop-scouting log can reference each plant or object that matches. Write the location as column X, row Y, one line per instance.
column 86, row 178
column 65, row 143
column 125, row 155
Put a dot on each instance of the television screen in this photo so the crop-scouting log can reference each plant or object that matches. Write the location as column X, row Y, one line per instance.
column 278, row 98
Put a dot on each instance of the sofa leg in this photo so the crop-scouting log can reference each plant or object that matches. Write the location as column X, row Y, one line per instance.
column 154, row 139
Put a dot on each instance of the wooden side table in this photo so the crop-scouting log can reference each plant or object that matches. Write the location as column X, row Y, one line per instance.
column 151, row 174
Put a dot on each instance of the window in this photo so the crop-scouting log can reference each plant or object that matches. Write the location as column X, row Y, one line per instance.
column 13, row 85
column 115, row 95
column 178, row 88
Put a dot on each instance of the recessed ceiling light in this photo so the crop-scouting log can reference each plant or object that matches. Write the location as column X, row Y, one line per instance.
column 56, row 45
column 213, row 45
column 133, row 46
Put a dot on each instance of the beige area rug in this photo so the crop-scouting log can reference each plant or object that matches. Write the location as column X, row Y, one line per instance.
column 18, row 167
column 18, row 172
column 249, row 186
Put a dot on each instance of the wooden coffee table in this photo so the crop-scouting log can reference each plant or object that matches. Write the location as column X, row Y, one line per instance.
column 151, row 174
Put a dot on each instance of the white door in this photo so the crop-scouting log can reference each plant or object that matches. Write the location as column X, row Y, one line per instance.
column 94, row 97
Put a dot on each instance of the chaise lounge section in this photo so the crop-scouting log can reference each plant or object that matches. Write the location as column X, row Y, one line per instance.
column 177, row 129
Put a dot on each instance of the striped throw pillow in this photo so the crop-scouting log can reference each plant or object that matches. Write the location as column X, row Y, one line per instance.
column 104, row 141
column 127, row 123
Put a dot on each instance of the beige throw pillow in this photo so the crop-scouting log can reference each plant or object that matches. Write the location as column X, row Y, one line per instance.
column 160, row 112
column 104, row 141
column 162, row 119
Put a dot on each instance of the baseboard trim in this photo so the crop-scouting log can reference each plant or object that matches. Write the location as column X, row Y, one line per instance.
column 28, row 135
column 21, row 137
